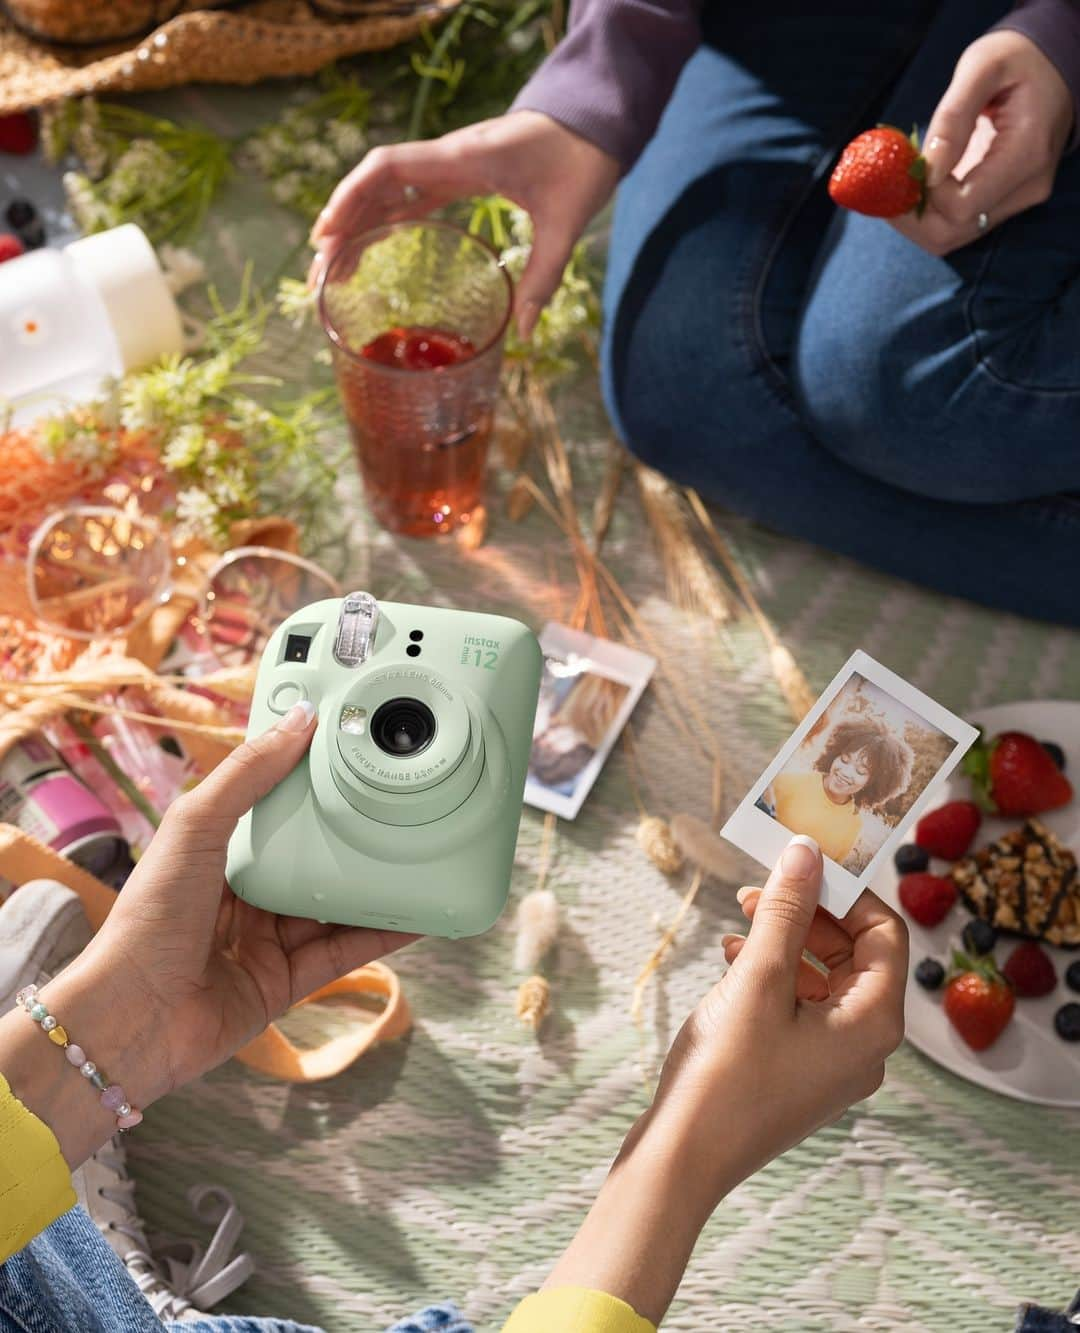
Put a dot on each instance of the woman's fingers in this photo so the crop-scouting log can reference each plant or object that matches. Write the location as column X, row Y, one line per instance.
column 826, row 939
column 551, row 250
column 810, row 984
column 872, row 996
column 975, row 81
column 338, row 950
column 784, row 914
column 405, row 180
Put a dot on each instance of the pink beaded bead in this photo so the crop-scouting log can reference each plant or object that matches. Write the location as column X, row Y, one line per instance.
column 113, row 1098
column 76, row 1055
column 129, row 1121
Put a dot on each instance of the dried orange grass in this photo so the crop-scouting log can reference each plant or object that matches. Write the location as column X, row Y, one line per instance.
column 693, row 583
column 793, row 684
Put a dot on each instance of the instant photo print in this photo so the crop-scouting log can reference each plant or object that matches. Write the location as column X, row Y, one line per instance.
column 588, row 690
column 862, row 766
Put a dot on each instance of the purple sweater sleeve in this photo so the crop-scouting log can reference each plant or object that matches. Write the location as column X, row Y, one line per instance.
column 1054, row 27
column 610, row 77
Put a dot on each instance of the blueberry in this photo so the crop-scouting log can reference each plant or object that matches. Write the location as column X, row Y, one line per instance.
column 1072, row 976
column 24, row 219
column 910, row 859
column 1067, row 1022
column 979, row 936
column 1056, row 753
column 930, row 974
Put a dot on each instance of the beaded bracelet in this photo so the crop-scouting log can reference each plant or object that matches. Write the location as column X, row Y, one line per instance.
column 112, row 1094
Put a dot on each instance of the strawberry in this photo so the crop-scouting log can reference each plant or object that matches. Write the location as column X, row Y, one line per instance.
column 18, row 134
column 947, row 832
column 1014, row 775
column 10, row 247
column 1030, row 970
column 881, row 173
column 927, row 899
column 979, row 1002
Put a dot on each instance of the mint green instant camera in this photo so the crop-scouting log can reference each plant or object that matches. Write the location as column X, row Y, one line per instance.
column 404, row 813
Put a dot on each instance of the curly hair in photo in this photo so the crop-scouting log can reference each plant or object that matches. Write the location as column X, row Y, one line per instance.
column 889, row 758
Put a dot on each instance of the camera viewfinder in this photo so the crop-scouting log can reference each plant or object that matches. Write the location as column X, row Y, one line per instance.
column 296, row 647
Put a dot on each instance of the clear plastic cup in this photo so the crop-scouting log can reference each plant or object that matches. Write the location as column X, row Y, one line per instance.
column 416, row 314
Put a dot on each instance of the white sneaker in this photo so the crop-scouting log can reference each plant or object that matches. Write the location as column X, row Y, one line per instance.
column 190, row 1276
column 42, row 929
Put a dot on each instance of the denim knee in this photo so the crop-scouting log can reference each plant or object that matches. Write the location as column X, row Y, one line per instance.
column 890, row 378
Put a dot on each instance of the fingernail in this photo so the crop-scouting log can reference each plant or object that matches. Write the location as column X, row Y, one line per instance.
column 801, row 857
column 299, row 716
column 320, row 224
column 742, row 894
column 725, row 940
column 933, row 172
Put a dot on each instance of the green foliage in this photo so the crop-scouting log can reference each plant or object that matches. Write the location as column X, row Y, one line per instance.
column 306, row 152
column 232, row 456
column 570, row 320
column 137, row 168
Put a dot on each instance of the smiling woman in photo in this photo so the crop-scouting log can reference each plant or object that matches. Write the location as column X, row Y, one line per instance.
column 862, row 765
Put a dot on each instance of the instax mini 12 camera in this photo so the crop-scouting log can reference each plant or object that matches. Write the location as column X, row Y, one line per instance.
column 404, row 813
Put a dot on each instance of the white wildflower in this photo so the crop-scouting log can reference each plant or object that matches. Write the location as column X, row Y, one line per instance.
column 348, row 140
column 185, row 448
column 197, row 514
column 317, row 156
column 138, row 406
column 295, row 301
column 288, row 189
column 86, row 208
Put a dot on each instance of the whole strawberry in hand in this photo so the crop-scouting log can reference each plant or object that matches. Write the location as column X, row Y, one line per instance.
column 1015, row 775
column 881, row 173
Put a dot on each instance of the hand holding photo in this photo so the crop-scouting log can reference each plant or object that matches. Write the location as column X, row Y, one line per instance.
column 855, row 774
column 589, row 688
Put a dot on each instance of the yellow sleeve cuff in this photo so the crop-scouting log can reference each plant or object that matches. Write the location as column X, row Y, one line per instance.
column 575, row 1310
column 35, row 1183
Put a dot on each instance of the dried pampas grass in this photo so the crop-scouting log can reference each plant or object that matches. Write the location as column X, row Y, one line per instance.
column 655, row 840
column 533, row 1002
column 693, row 584
column 705, row 848
column 793, row 684
column 537, row 929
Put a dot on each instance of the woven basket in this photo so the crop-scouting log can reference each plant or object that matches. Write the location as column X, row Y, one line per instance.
column 51, row 49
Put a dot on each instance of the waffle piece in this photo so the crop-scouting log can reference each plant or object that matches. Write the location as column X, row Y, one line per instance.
column 1024, row 884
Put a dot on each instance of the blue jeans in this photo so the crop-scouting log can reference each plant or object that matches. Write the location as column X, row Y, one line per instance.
column 811, row 368
column 68, row 1280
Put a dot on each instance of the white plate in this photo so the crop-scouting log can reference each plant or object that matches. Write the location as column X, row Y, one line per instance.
column 1029, row 1061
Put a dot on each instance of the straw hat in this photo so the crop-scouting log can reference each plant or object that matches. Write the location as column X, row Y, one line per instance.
column 50, row 49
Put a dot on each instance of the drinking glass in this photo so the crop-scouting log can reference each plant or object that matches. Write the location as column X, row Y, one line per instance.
column 416, row 314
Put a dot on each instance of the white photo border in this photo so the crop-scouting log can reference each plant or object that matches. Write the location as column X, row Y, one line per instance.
column 764, row 838
column 597, row 657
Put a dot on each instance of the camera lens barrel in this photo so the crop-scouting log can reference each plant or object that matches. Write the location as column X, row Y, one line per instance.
column 403, row 727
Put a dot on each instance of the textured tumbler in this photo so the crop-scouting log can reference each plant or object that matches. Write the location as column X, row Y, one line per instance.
column 416, row 314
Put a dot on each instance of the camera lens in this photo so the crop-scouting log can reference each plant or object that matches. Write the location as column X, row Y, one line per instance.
column 403, row 727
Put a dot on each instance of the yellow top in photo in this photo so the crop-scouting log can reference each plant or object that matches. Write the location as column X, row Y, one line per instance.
column 803, row 807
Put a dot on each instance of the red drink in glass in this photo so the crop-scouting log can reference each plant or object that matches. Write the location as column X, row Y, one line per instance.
column 416, row 314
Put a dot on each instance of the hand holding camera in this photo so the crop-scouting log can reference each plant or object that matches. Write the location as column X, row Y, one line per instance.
column 404, row 815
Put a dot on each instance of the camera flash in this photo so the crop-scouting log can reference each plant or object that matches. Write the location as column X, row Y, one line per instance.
column 353, row 720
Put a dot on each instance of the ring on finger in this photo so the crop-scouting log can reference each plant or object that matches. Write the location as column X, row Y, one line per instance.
column 982, row 222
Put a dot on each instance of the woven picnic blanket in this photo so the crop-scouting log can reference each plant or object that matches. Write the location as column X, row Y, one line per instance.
column 457, row 1162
